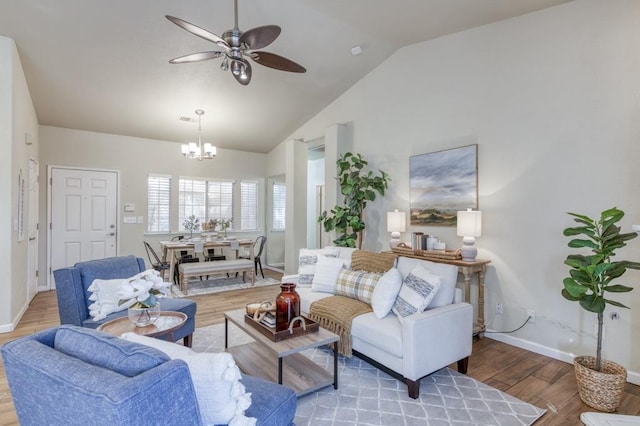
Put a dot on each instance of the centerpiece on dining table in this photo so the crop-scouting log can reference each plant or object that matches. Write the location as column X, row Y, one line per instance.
column 141, row 292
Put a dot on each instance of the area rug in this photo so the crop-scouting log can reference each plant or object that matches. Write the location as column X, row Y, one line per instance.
column 368, row 396
column 217, row 284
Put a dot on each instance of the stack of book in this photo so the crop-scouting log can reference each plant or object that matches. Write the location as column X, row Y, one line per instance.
column 269, row 320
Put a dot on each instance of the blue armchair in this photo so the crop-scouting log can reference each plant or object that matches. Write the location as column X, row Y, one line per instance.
column 70, row 375
column 73, row 297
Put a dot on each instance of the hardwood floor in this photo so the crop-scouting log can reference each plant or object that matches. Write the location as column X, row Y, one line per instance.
column 542, row 381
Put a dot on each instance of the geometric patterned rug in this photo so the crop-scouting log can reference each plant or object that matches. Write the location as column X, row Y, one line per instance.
column 220, row 283
column 368, row 396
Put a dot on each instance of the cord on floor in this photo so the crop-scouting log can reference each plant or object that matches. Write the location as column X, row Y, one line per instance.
column 512, row 331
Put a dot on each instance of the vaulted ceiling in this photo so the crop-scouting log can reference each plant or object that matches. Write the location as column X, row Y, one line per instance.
column 103, row 66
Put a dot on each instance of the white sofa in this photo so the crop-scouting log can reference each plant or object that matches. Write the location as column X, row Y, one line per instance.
column 419, row 345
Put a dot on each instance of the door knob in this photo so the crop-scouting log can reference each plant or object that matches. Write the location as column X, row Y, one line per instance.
column 111, row 234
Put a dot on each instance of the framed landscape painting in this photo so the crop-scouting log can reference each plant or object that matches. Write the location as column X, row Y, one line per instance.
column 442, row 183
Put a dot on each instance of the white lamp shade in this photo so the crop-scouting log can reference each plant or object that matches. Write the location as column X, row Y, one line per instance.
column 396, row 221
column 185, row 148
column 193, row 147
column 469, row 223
column 209, row 149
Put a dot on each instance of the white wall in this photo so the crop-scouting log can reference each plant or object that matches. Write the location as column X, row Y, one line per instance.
column 135, row 158
column 551, row 98
column 17, row 117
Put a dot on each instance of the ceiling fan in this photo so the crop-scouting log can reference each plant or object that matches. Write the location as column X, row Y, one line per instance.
column 236, row 47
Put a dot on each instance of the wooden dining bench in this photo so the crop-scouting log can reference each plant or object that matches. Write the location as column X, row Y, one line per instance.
column 188, row 270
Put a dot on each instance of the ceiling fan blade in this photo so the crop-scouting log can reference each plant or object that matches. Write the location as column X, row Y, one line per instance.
column 196, row 57
column 260, row 37
column 247, row 72
column 278, row 62
column 196, row 30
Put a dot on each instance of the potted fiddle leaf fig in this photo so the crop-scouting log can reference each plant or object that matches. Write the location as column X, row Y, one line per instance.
column 600, row 382
column 358, row 187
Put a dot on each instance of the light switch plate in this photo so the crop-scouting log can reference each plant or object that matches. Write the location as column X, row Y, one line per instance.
column 129, row 219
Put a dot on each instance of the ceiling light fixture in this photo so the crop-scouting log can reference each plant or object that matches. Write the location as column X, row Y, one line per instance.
column 195, row 151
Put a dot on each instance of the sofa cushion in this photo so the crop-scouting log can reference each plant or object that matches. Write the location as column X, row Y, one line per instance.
column 326, row 274
column 307, row 297
column 417, row 291
column 357, row 285
column 385, row 334
column 307, row 259
column 448, row 278
column 362, row 260
column 216, row 378
column 385, row 292
column 128, row 359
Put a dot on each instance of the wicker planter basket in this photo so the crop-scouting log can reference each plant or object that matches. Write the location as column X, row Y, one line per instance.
column 603, row 389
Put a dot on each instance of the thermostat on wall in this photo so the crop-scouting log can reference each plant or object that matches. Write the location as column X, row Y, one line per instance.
column 129, row 207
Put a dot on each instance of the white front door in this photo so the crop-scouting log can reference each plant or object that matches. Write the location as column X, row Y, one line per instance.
column 32, row 248
column 84, row 213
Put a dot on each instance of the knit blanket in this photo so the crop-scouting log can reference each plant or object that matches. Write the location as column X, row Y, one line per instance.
column 335, row 313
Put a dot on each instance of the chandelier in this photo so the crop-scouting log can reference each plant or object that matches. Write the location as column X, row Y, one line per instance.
column 195, row 151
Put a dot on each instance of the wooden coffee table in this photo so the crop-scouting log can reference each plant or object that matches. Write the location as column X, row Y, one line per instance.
column 168, row 322
column 282, row 361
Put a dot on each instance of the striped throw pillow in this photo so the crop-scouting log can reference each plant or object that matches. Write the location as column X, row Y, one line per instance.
column 418, row 289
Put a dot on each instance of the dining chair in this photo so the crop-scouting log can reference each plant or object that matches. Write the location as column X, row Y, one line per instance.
column 155, row 261
column 259, row 243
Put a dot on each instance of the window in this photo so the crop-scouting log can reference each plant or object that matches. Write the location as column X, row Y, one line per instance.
column 248, row 205
column 191, row 200
column 158, row 202
column 205, row 199
column 220, row 200
column 279, row 206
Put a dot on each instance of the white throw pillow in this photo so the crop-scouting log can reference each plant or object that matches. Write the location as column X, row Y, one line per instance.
column 216, row 379
column 417, row 291
column 105, row 298
column 385, row 292
column 326, row 274
column 307, row 259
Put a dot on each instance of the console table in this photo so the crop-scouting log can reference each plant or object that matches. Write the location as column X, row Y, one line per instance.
column 467, row 269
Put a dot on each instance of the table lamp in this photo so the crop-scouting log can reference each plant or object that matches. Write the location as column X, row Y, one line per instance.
column 396, row 223
column 469, row 227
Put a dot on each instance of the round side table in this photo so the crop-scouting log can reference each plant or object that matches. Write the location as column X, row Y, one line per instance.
column 168, row 322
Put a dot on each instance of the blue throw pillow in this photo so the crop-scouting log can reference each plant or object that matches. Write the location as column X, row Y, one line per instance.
column 113, row 353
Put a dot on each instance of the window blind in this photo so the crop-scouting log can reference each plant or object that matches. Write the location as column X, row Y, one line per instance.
column 192, row 198
column 158, row 203
column 248, row 205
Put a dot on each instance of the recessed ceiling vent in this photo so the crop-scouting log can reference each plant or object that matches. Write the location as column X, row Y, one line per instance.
column 187, row 119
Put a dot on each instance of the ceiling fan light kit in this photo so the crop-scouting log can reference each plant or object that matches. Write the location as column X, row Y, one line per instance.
column 237, row 46
column 193, row 151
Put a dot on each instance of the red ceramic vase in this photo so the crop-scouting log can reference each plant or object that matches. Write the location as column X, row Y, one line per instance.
column 287, row 306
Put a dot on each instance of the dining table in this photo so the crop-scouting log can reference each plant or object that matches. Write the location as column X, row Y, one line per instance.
column 169, row 248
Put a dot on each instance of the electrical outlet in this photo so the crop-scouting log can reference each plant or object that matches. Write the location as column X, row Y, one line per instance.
column 499, row 309
column 531, row 314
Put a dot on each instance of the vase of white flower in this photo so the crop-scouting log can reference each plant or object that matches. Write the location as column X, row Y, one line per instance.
column 141, row 293
column 143, row 317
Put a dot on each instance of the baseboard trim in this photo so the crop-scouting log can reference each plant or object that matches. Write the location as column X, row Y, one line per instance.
column 8, row 328
column 275, row 268
column 632, row 376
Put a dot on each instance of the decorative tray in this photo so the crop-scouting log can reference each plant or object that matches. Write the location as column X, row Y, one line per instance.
column 276, row 336
column 428, row 254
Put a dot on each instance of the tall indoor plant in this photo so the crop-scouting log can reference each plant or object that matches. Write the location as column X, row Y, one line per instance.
column 358, row 187
column 600, row 382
